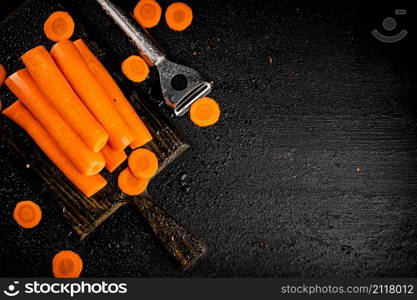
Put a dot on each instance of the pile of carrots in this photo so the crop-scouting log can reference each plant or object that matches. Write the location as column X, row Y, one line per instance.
column 75, row 112
column 72, row 108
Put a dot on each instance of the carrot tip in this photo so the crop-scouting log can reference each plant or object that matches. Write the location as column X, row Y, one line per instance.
column 27, row 214
column 67, row 264
column 147, row 13
column 135, row 68
column 59, row 26
column 205, row 112
column 179, row 16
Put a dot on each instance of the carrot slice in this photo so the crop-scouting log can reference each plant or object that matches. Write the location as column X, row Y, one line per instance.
column 92, row 93
column 59, row 26
column 18, row 113
column 67, row 264
column 130, row 184
column 27, row 214
column 143, row 163
column 204, row 112
column 3, row 74
column 113, row 158
column 135, row 68
column 85, row 160
column 62, row 97
column 141, row 134
column 147, row 13
column 178, row 16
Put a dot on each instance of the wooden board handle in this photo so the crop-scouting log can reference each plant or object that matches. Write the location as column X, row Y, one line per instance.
column 186, row 248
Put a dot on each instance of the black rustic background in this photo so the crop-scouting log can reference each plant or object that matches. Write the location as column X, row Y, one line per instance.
column 311, row 170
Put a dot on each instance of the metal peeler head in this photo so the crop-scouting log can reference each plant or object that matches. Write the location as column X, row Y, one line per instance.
column 181, row 86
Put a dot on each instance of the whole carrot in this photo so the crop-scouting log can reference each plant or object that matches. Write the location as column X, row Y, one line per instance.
column 141, row 134
column 91, row 93
column 86, row 161
column 18, row 113
column 62, row 97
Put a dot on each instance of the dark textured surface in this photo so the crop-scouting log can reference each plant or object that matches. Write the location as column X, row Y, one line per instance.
column 311, row 171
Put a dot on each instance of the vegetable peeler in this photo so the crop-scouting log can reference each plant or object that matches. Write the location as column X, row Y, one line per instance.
column 181, row 86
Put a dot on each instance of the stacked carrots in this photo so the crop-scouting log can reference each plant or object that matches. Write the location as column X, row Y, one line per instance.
column 73, row 109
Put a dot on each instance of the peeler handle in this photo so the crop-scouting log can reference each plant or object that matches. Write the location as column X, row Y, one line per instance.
column 186, row 248
column 138, row 36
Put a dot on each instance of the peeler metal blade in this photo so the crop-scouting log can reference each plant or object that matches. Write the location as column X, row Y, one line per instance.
column 181, row 86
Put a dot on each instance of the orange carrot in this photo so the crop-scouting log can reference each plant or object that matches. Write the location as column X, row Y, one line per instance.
column 57, row 90
column 89, row 185
column 204, row 112
column 141, row 134
column 3, row 74
column 113, row 158
column 67, row 264
column 86, row 161
column 147, row 13
column 130, row 184
column 92, row 93
column 59, row 26
column 178, row 16
column 143, row 163
column 27, row 214
column 135, row 68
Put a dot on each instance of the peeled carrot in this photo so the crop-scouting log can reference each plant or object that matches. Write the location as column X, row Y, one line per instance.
column 135, row 68
column 147, row 13
column 89, row 185
column 86, row 161
column 59, row 26
column 27, row 214
column 113, row 158
column 141, row 134
column 130, row 184
column 67, row 264
column 92, row 93
column 143, row 163
column 204, row 112
column 62, row 97
column 3, row 74
column 178, row 16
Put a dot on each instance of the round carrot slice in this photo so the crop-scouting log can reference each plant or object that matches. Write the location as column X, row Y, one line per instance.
column 130, row 184
column 147, row 13
column 27, row 214
column 67, row 264
column 178, row 16
column 135, row 68
column 205, row 112
column 143, row 163
column 59, row 26
column 2, row 74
